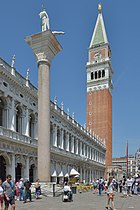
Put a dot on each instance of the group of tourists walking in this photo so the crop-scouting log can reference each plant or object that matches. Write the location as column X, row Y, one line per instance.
column 129, row 186
column 20, row 190
column 126, row 186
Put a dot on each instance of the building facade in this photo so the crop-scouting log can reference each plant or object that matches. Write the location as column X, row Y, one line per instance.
column 99, row 86
column 133, row 164
column 72, row 146
column 137, row 160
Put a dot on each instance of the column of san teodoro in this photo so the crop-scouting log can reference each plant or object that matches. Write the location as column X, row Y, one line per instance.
column 68, row 145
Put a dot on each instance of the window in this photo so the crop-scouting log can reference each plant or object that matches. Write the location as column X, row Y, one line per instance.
column 99, row 74
column 5, row 84
column 18, row 119
column 1, row 111
column 92, row 76
column 95, row 74
column 103, row 73
column 31, row 125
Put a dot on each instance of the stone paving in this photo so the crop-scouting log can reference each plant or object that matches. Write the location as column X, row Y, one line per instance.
column 83, row 201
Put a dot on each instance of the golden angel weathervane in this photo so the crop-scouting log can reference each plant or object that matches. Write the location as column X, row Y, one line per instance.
column 99, row 7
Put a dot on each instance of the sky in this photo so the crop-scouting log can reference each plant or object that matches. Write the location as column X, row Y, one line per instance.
column 77, row 19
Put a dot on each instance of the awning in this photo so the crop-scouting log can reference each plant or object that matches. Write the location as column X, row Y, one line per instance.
column 61, row 174
column 73, row 172
column 66, row 175
column 54, row 174
column 77, row 175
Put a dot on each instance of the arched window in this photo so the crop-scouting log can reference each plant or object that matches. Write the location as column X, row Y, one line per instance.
column 103, row 73
column 31, row 125
column 92, row 76
column 18, row 119
column 99, row 74
column 95, row 74
column 1, row 112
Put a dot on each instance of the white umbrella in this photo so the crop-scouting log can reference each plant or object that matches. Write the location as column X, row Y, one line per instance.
column 61, row 174
column 54, row 174
column 66, row 175
column 73, row 172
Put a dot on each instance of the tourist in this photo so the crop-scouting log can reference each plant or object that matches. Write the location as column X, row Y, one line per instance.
column 120, row 186
column 135, row 187
column 17, row 190
column 124, row 187
column 138, row 189
column 110, row 193
column 100, row 184
column 129, row 183
column 67, row 191
column 1, row 195
column 94, row 186
column 37, row 189
column 105, row 185
column 21, row 189
column 27, row 188
column 8, row 193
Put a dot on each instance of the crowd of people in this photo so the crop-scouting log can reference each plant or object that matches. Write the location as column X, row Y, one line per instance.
column 126, row 186
column 20, row 190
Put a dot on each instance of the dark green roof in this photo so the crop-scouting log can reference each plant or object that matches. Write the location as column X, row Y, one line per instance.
column 99, row 37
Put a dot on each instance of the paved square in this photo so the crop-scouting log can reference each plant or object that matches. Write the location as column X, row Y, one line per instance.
column 83, row 201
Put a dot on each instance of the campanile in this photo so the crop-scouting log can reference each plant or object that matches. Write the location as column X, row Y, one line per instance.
column 99, row 86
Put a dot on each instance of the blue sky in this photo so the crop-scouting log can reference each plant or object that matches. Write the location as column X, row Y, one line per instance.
column 77, row 18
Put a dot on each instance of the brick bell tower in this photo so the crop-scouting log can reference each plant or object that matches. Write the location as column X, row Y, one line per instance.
column 99, row 86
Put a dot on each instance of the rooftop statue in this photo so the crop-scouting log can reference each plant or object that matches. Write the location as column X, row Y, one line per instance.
column 100, row 7
column 13, row 61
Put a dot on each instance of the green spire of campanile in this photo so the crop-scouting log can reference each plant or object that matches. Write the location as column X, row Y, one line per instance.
column 99, row 35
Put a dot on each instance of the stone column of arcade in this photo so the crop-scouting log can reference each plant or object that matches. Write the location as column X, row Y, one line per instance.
column 45, row 47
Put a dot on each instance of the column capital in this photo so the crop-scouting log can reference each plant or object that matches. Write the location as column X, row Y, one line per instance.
column 42, row 58
column 44, row 45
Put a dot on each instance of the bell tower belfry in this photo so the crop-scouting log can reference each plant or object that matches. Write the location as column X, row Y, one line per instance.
column 99, row 86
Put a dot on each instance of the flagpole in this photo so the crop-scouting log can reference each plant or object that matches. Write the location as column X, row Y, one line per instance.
column 127, row 158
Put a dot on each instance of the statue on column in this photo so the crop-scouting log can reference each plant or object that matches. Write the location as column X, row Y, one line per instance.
column 45, row 20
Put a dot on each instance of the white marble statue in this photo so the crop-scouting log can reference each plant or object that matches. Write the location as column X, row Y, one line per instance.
column 13, row 61
column 45, row 20
column 27, row 74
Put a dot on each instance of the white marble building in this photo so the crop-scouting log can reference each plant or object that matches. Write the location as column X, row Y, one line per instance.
column 71, row 145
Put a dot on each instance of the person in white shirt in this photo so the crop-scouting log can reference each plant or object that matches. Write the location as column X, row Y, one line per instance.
column 129, row 183
column 67, row 190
